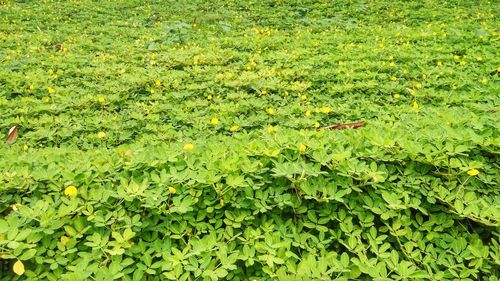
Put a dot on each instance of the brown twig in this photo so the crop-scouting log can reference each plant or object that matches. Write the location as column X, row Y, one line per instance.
column 345, row 126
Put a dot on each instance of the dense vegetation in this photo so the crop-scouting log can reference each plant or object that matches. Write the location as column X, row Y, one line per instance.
column 182, row 140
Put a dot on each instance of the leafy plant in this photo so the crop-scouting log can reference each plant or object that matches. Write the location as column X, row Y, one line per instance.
column 185, row 141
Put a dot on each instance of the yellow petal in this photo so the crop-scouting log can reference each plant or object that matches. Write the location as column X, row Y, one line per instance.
column 71, row 191
column 172, row 190
column 18, row 267
column 473, row 172
column 415, row 105
column 188, row 147
column 64, row 239
column 302, row 148
column 326, row 109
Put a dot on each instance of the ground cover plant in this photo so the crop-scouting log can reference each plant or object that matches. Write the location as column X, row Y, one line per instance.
column 183, row 140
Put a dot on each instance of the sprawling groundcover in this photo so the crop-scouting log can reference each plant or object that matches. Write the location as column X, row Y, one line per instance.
column 183, row 140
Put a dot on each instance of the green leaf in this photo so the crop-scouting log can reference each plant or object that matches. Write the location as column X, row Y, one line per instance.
column 459, row 206
column 344, row 260
column 28, row 254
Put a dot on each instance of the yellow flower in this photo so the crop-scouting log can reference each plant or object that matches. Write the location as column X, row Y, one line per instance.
column 418, row 86
column 32, row 87
column 209, row 97
column 64, row 239
column 394, row 78
column 221, row 202
column 455, row 57
column 214, row 121
column 18, row 268
column 316, row 124
column 473, row 172
column 415, row 105
column 484, row 81
column 304, row 97
column 270, row 111
column 188, row 147
column 101, row 134
column 479, row 58
column 326, row 110
column 172, row 190
column 157, row 83
column 462, row 62
column 271, row 129
column 14, row 207
column 51, row 90
column 302, row 148
column 263, row 92
column 308, row 113
column 234, row 128
column 101, row 99
column 397, row 96
column 439, row 63
column 71, row 191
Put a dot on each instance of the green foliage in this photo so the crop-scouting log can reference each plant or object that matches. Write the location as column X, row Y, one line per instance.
column 109, row 95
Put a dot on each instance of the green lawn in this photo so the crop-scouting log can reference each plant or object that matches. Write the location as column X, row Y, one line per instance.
column 185, row 140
